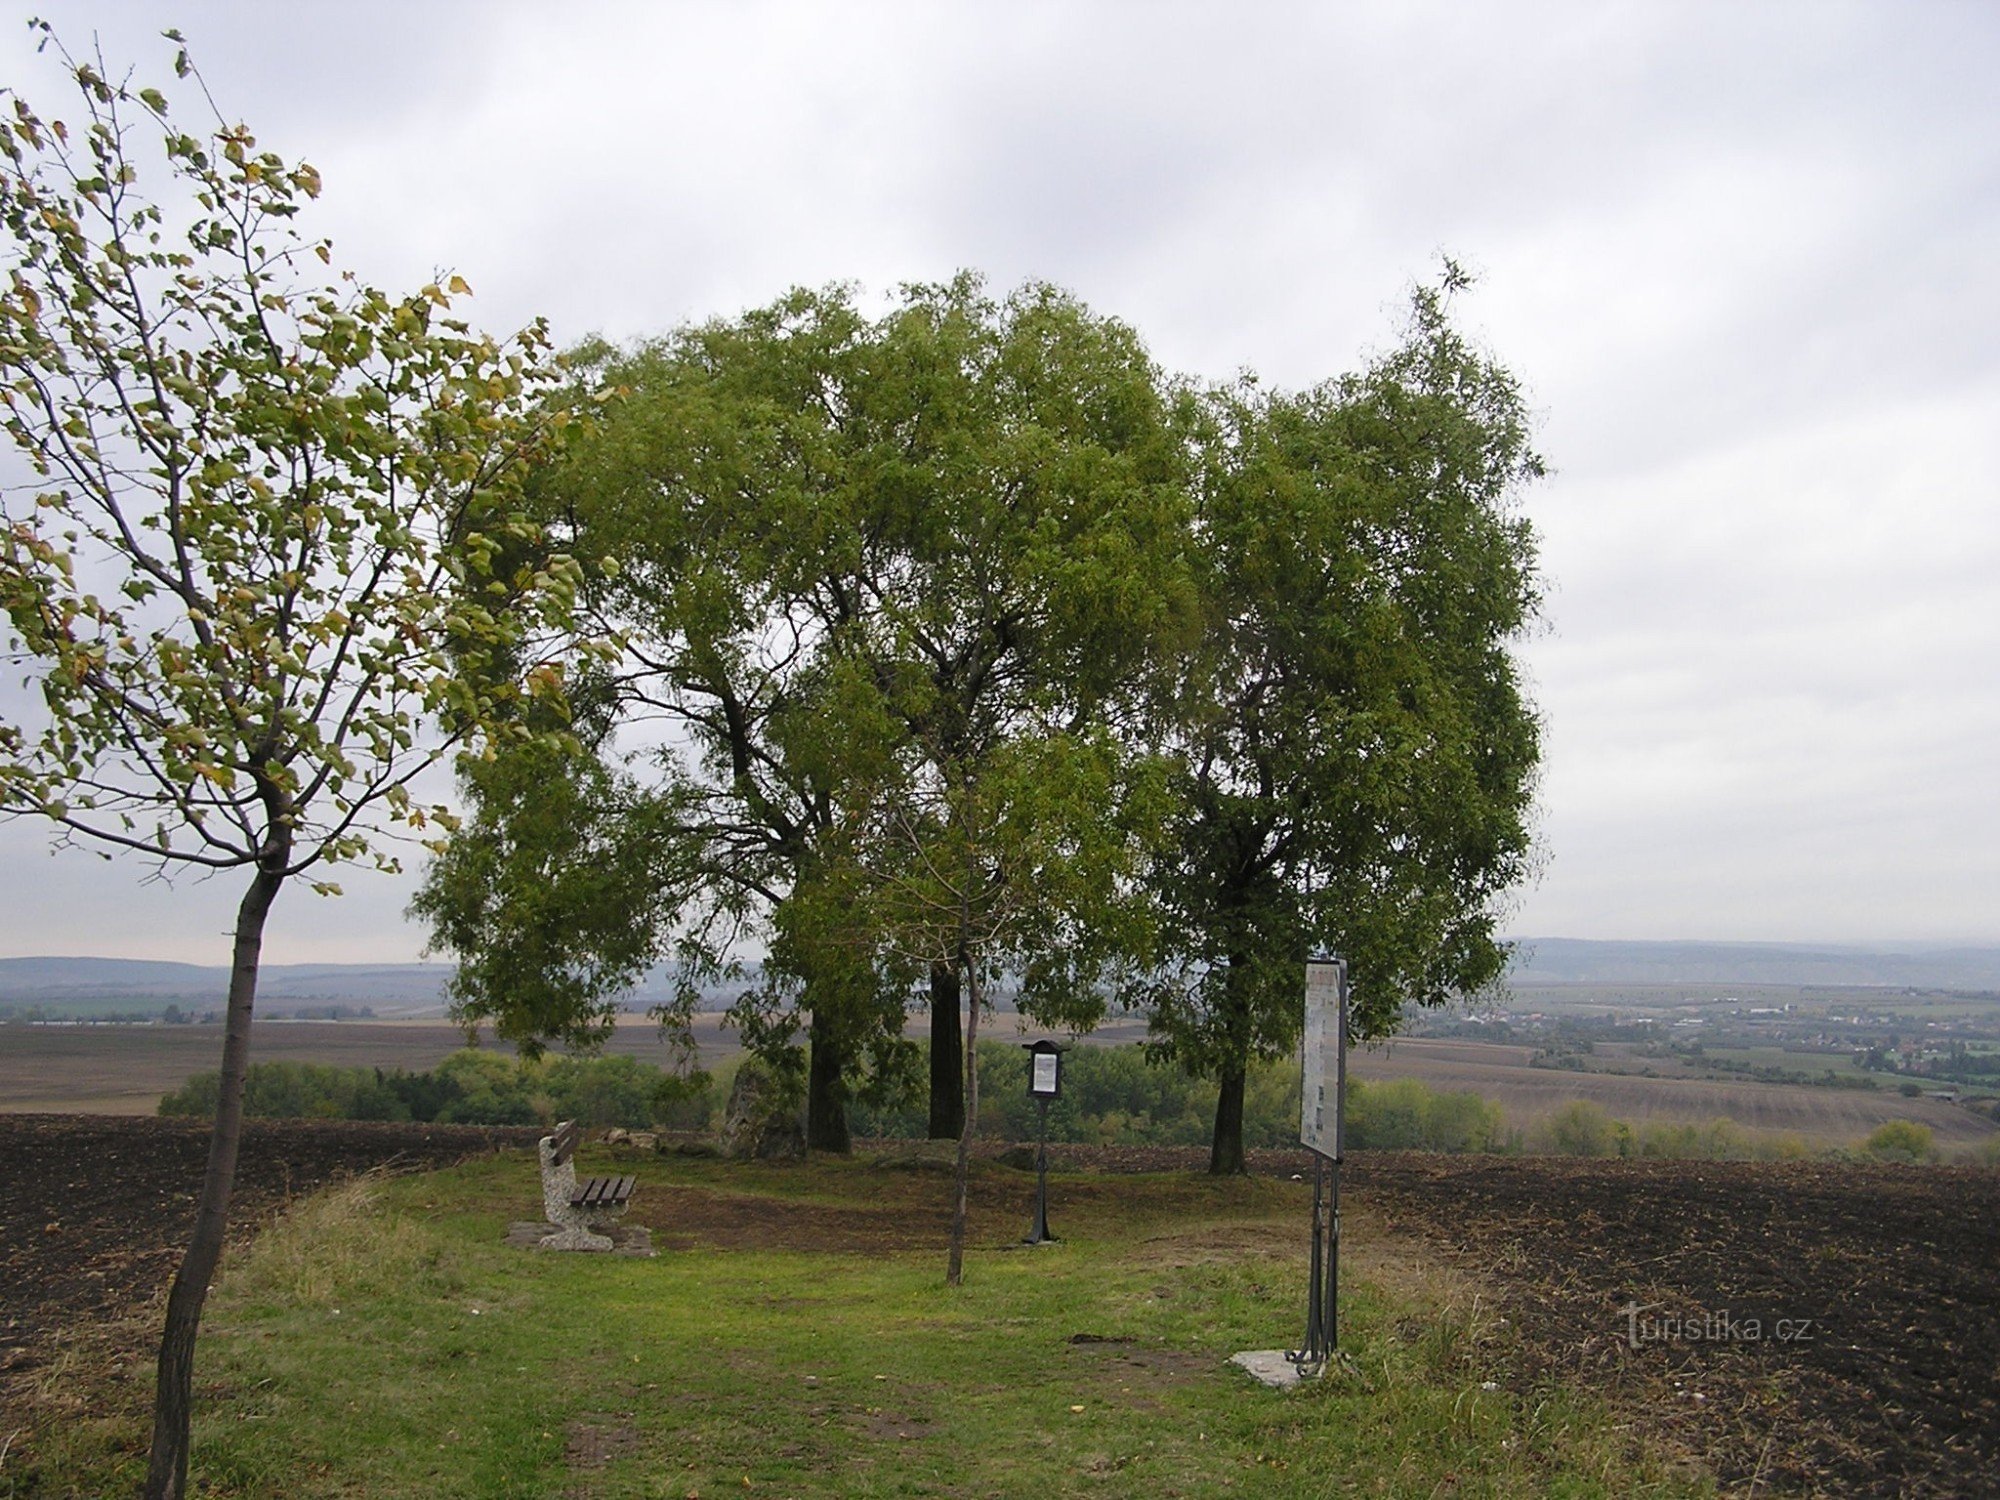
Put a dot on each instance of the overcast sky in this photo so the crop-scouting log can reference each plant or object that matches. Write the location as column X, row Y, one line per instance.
column 1745, row 258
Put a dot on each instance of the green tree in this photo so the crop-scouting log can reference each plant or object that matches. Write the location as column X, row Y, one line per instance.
column 1029, row 464
column 1017, row 859
column 555, row 894
column 864, row 564
column 263, row 547
column 1354, row 750
column 710, row 480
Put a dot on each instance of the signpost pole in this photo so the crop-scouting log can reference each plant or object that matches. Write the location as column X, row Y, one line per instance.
column 1339, row 1155
column 1314, row 1351
column 1322, row 1121
column 1322, row 1130
column 1044, row 1084
column 1039, row 1234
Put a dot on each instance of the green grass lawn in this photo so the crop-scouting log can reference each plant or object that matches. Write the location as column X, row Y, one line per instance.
column 381, row 1341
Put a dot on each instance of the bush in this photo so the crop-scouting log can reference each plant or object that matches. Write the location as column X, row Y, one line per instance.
column 1720, row 1139
column 1115, row 1095
column 296, row 1091
column 470, row 1087
column 1406, row 1114
column 1900, row 1140
column 1581, row 1128
column 1790, row 1146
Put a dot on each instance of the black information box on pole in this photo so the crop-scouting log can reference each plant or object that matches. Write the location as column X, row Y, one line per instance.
column 1044, row 1084
column 1322, row 1121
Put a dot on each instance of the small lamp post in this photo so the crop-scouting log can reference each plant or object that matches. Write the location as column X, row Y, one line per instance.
column 1044, row 1084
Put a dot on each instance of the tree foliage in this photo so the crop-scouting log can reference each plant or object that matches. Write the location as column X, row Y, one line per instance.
column 881, row 584
column 556, row 895
column 267, row 561
column 255, row 554
column 1354, row 751
column 976, row 645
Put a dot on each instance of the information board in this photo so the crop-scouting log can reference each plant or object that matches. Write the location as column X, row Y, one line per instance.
column 1043, row 1080
column 1323, row 1056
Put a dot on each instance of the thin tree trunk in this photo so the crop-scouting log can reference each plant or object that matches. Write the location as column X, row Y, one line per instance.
column 947, row 1119
column 955, row 1263
column 167, row 1463
column 826, row 1090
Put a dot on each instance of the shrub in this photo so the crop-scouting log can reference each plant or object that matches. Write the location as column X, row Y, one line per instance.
column 1582, row 1128
column 1719, row 1139
column 1406, row 1114
column 1790, row 1146
column 1900, row 1140
column 1111, row 1095
column 296, row 1091
column 470, row 1087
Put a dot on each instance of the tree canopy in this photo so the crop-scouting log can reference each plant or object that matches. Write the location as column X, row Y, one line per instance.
column 872, row 572
column 1354, row 753
column 269, row 562
column 963, row 640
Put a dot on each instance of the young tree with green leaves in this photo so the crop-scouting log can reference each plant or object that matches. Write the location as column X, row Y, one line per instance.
column 1355, row 752
column 1021, row 860
column 264, row 560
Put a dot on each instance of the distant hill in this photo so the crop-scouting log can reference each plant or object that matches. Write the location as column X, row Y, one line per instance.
column 141, row 984
column 74, row 985
column 1577, row 961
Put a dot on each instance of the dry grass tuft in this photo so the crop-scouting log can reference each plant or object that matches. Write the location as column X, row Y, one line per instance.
column 334, row 1244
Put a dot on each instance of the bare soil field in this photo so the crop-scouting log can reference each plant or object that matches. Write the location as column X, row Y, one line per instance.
column 1799, row 1327
column 1803, row 1327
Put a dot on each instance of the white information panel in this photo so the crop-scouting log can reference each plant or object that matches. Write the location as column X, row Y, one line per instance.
column 1323, row 1056
column 1044, row 1079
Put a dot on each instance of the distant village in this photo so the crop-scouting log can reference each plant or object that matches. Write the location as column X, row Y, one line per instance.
column 1939, row 1043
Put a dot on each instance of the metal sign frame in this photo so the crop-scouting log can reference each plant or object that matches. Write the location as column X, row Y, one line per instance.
column 1323, row 1057
column 1322, row 1129
column 1044, row 1084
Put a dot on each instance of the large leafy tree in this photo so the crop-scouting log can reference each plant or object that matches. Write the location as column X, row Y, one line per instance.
column 1029, row 501
column 709, row 480
column 265, row 562
column 859, row 558
column 1354, row 749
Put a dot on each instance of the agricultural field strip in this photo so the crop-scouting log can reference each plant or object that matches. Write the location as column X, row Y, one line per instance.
column 125, row 1070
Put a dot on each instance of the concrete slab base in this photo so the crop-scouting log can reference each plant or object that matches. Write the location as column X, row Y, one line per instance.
column 626, row 1239
column 1273, row 1367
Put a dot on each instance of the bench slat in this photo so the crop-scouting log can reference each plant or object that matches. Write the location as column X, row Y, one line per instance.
column 565, row 1141
column 601, row 1191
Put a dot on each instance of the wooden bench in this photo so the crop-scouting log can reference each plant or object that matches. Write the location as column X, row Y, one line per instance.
column 576, row 1210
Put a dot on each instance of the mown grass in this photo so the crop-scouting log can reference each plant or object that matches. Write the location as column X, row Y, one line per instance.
column 381, row 1341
